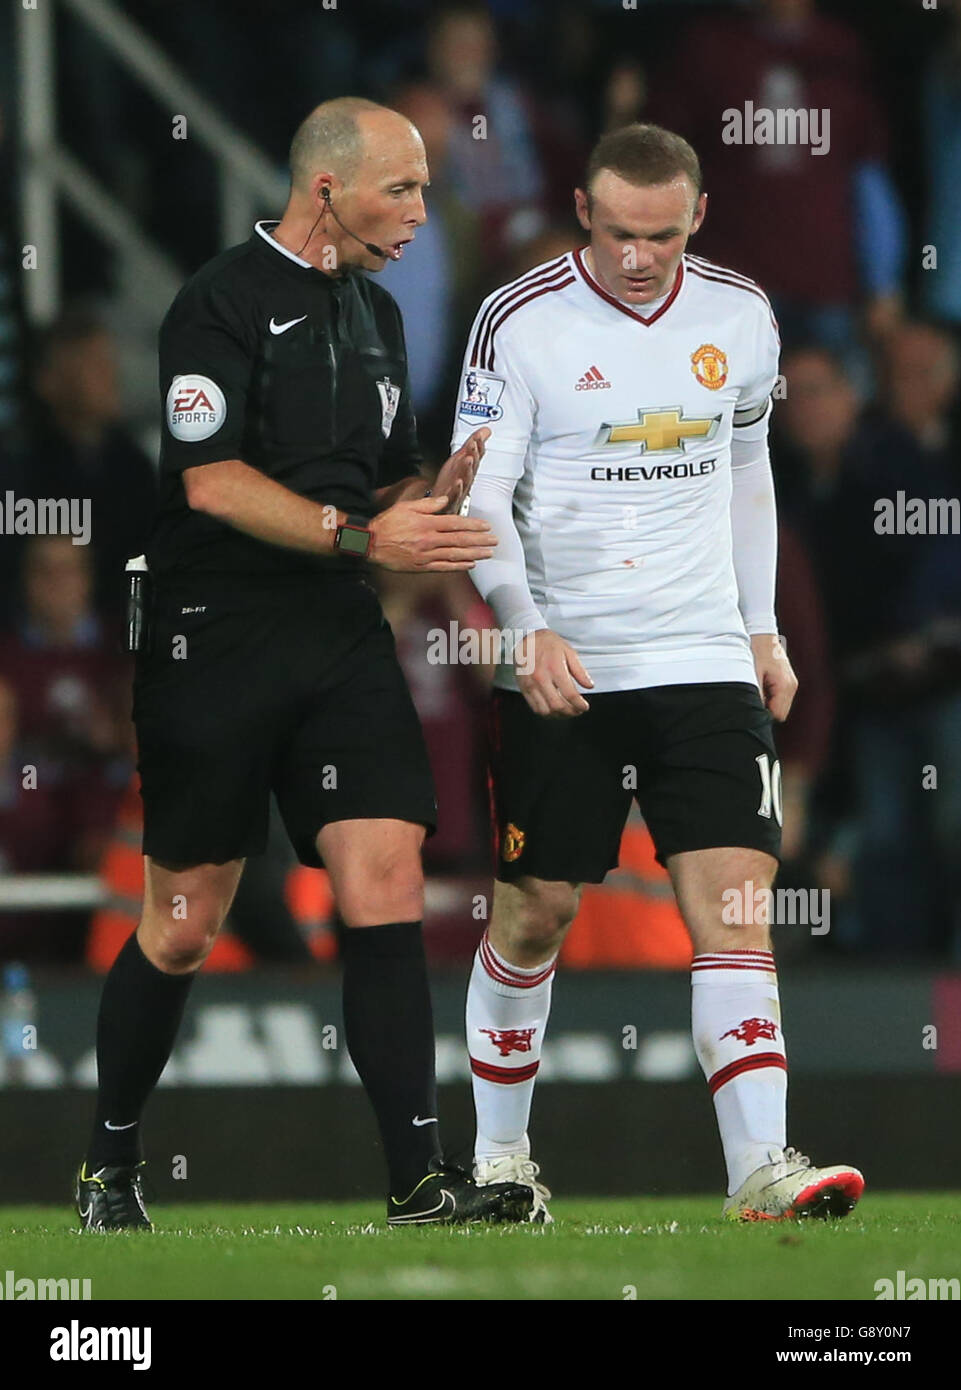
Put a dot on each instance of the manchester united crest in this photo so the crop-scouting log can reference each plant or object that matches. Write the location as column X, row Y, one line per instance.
column 513, row 844
column 709, row 365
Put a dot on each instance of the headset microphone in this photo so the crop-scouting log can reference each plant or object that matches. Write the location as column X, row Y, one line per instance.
column 367, row 245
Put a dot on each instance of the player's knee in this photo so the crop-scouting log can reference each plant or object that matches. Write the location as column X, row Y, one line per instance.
column 546, row 912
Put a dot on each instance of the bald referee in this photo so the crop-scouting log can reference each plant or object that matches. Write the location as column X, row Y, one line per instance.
column 289, row 461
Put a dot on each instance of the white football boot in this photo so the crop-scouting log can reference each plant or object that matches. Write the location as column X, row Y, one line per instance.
column 521, row 1169
column 789, row 1187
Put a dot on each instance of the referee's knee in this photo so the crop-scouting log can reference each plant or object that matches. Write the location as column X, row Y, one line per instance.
column 179, row 947
column 177, row 933
column 381, row 892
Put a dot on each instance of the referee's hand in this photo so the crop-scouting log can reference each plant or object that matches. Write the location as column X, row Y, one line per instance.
column 416, row 536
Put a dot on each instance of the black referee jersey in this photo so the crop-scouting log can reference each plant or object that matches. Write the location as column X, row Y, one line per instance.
column 300, row 374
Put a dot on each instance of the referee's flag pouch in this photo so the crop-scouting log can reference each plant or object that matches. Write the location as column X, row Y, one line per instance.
column 139, row 605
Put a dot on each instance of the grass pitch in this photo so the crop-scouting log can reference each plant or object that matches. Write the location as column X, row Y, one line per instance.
column 664, row 1248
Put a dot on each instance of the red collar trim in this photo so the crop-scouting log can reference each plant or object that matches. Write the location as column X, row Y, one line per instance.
column 638, row 318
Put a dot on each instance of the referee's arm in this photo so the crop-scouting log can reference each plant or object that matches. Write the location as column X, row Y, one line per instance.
column 408, row 535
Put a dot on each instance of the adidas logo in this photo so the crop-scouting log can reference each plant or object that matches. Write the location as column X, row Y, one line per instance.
column 593, row 380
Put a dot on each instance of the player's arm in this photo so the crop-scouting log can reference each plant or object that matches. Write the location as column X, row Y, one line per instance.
column 545, row 665
column 754, row 538
column 207, row 357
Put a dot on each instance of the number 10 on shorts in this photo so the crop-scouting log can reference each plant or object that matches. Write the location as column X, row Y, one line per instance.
column 770, row 787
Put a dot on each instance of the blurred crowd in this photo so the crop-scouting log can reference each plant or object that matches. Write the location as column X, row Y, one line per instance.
column 859, row 249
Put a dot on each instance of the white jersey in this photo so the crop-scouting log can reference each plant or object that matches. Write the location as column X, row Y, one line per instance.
column 615, row 425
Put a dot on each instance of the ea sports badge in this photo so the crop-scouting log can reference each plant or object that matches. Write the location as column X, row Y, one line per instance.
column 479, row 397
column 709, row 365
column 196, row 408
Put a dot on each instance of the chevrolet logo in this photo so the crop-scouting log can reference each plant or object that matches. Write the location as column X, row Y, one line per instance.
column 662, row 431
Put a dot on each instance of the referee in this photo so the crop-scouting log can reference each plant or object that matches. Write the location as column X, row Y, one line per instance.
column 290, row 458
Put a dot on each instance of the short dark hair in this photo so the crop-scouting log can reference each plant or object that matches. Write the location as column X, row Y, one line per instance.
column 643, row 154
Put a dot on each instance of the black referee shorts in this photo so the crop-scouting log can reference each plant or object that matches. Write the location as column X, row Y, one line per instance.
column 292, row 686
column 699, row 759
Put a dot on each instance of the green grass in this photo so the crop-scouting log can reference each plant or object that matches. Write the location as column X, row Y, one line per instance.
column 667, row 1247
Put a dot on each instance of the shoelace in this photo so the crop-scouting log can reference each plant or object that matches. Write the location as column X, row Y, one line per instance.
column 526, row 1172
column 530, row 1172
column 795, row 1156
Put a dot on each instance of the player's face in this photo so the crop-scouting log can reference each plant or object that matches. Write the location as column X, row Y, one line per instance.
column 638, row 235
column 384, row 202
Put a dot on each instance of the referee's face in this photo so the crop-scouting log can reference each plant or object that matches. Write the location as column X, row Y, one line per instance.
column 384, row 202
column 638, row 234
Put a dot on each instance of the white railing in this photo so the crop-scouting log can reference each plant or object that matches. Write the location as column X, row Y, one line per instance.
column 50, row 892
column 248, row 181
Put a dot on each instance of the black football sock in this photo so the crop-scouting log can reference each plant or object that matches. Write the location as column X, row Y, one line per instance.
column 140, row 1012
column 389, row 1028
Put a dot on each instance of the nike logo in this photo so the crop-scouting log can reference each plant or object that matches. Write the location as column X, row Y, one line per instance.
column 276, row 327
column 108, row 1125
column 447, row 1206
column 418, row 1121
column 84, row 1212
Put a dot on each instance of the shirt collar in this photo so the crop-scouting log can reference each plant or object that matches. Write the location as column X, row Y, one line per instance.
column 265, row 228
column 656, row 308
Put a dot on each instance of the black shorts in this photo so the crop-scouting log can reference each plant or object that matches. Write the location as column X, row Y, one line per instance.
column 283, row 687
column 699, row 759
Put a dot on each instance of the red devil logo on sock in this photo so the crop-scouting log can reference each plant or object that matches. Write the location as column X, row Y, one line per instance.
column 750, row 1029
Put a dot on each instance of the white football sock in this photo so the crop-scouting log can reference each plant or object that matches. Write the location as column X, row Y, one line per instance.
column 507, row 1010
column 736, row 1023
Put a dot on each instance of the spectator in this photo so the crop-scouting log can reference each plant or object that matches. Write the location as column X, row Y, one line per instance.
column 81, row 449
column 922, row 368
column 833, row 236
column 436, row 284
column 941, row 115
column 10, row 321
column 72, row 688
column 493, row 154
column 64, row 661
column 900, row 707
column 38, row 834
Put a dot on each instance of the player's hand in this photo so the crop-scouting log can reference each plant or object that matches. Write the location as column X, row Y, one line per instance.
column 418, row 536
column 775, row 675
column 547, row 667
column 456, row 478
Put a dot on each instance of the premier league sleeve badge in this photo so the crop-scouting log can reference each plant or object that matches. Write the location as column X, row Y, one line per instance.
column 480, row 395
